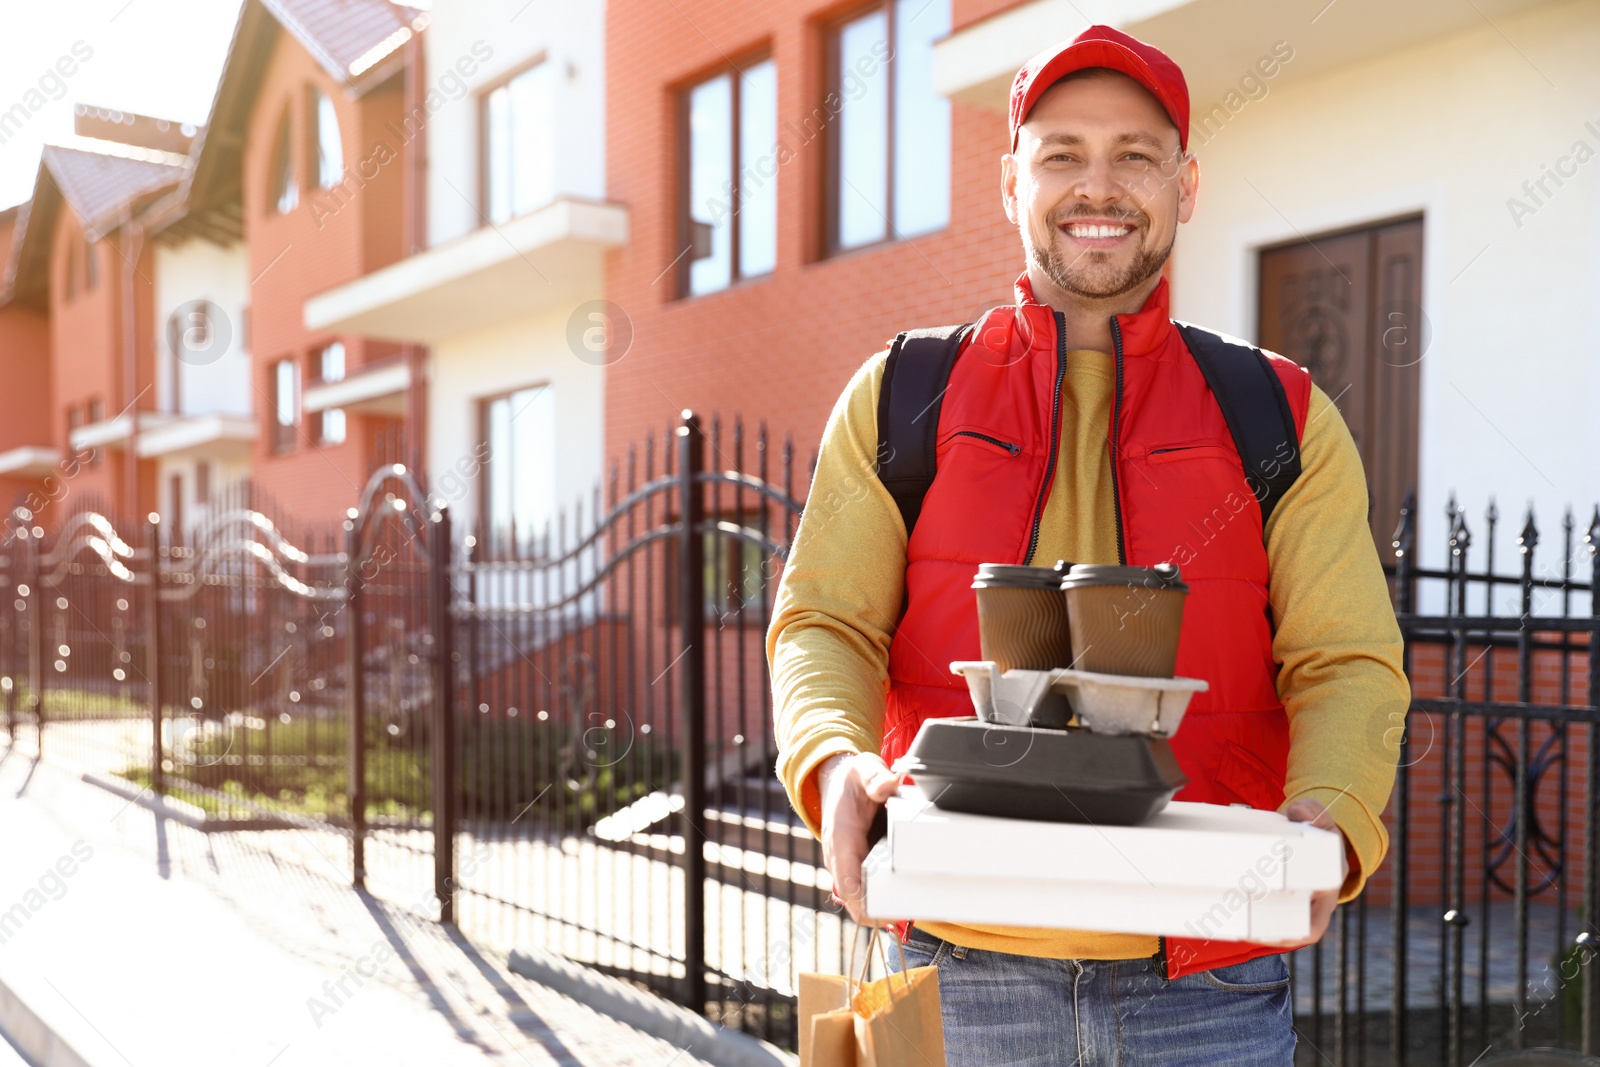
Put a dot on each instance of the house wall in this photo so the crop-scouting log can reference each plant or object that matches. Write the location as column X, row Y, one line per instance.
column 25, row 406
column 1451, row 129
column 461, row 59
column 226, row 470
column 533, row 349
column 26, row 409
column 333, row 236
column 87, row 364
column 473, row 367
column 778, row 348
column 195, row 269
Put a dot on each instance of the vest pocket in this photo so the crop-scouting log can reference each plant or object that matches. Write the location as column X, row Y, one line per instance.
column 1173, row 453
column 1247, row 777
column 1008, row 447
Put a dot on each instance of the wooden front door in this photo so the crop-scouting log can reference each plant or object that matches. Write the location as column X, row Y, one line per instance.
column 1348, row 308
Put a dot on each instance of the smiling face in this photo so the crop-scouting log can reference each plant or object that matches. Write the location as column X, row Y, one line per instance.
column 1097, row 187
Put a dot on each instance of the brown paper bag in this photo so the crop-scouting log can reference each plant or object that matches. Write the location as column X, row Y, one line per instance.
column 892, row 1022
column 827, row 1025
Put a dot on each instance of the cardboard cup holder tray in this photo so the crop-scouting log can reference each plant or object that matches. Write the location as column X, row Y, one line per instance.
column 1104, row 703
column 1022, row 757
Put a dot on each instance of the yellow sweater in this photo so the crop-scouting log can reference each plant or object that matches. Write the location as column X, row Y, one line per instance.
column 1335, row 633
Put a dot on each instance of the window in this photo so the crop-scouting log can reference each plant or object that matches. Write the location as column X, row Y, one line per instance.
column 202, row 482
column 734, row 570
column 285, row 404
column 517, row 122
column 285, row 187
column 519, row 430
column 889, row 176
column 330, row 368
column 71, row 271
column 91, row 264
column 189, row 334
column 330, row 153
column 730, row 214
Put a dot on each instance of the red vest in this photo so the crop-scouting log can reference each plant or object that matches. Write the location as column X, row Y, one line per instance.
column 1181, row 496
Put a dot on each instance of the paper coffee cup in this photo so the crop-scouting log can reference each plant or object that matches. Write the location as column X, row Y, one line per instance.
column 1125, row 620
column 1022, row 617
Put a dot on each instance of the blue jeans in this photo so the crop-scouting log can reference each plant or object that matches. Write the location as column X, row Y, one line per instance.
column 1029, row 1012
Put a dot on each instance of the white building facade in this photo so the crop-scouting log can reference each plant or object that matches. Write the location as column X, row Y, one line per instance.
column 201, row 436
column 508, row 294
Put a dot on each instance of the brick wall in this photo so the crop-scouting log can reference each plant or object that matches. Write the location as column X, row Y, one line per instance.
column 26, row 408
column 1486, row 803
column 778, row 348
column 87, row 364
column 332, row 237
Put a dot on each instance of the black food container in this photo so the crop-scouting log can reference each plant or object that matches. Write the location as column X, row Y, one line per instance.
column 1017, row 772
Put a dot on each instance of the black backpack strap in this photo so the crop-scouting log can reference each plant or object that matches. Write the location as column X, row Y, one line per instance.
column 1256, row 408
column 914, row 380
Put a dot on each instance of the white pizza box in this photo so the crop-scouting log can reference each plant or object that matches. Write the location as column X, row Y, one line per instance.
column 1210, row 912
column 1185, row 845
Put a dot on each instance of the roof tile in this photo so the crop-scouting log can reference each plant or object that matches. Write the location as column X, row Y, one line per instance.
column 339, row 33
column 97, row 184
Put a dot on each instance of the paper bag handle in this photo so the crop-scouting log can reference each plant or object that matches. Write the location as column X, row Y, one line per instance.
column 857, row 979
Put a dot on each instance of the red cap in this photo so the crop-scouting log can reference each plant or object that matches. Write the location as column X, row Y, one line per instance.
column 1102, row 46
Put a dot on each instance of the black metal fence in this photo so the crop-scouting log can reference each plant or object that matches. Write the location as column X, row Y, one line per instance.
column 564, row 741
column 1478, row 935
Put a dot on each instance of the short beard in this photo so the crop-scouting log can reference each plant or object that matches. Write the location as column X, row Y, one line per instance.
column 1093, row 281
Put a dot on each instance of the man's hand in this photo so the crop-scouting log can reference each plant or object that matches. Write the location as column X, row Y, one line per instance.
column 852, row 789
column 1323, row 901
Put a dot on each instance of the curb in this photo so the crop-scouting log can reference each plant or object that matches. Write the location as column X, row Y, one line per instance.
column 644, row 1011
column 179, row 811
column 33, row 1038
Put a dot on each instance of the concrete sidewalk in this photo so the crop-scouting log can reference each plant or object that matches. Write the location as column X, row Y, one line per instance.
column 132, row 940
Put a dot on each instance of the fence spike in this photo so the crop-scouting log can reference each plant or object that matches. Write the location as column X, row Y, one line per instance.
column 1529, row 537
column 1592, row 536
column 1460, row 534
column 1406, row 528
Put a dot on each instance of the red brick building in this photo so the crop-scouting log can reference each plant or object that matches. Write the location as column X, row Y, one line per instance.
column 780, row 345
column 79, row 260
column 27, row 451
column 307, row 151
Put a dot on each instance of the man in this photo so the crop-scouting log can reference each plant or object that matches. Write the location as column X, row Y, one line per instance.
column 1077, row 425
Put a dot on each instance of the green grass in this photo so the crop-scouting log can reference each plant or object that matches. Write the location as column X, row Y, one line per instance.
column 71, row 703
column 302, row 768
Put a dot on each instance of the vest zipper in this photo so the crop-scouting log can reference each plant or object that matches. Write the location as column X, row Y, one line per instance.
column 1007, row 445
column 1116, row 413
column 1055, row 435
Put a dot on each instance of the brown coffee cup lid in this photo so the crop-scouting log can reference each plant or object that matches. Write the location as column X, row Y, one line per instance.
column 1013, row 576
column 1161, row 576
